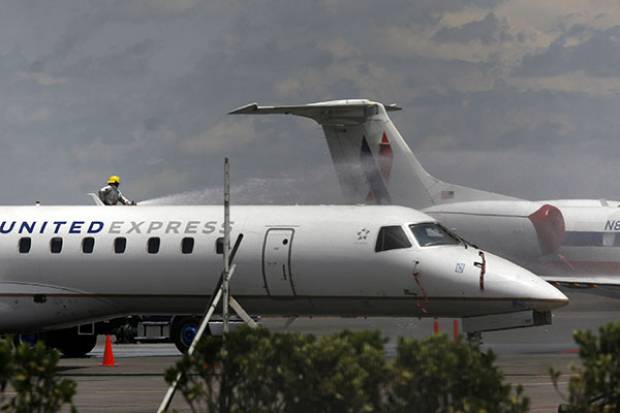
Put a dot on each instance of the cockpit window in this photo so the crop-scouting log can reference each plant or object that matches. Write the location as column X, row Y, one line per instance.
column 430, row 233
column 391, row 238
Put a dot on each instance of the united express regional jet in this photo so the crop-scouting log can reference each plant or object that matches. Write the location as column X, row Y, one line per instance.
column 62, row 266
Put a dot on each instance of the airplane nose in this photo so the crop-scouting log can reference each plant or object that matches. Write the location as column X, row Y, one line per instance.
column 524, row 288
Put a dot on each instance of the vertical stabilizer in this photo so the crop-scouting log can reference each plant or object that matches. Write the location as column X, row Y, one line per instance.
column 373, row 162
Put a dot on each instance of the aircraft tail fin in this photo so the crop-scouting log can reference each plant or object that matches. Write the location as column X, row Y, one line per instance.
column 373, row 162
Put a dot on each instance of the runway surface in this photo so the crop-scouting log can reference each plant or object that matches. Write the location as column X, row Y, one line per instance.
column 136, row 384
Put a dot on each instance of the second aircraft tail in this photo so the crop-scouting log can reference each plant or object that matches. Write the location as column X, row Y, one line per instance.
column 373, row 162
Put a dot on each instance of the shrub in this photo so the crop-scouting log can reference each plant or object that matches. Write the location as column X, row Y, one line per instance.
column 258, row 371
column 595, row 386
column 31, row 372
column 438, row 375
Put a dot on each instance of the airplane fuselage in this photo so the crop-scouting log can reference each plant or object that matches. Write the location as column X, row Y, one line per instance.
column 64, row 265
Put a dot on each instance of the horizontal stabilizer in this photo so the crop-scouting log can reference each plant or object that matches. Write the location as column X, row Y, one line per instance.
column 348, row 111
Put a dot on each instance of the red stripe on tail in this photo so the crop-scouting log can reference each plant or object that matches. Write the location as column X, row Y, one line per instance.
column 386, row 157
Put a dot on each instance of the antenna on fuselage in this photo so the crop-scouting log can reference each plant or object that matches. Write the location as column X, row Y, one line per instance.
column 222, row 289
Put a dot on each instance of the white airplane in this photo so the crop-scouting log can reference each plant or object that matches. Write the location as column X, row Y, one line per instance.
column 61, row 266
column 572, row 243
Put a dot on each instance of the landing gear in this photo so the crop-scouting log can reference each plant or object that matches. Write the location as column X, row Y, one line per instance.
column 70, row 343
column 183, row 331
column 126, row 333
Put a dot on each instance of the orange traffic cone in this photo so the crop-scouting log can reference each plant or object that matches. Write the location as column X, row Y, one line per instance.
column 108, row 355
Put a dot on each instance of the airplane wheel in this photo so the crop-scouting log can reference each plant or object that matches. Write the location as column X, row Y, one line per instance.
column 183, row 331
column 126, row 334
column 70, row 343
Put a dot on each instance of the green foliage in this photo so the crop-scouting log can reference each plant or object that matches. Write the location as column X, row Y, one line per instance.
column 30, row 374
column 595, row 386
column 259, row 371
column 5, row 368
column 339, row 373
column 438, row 375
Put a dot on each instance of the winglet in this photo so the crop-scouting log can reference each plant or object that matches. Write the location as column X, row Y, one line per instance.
column 96, row 199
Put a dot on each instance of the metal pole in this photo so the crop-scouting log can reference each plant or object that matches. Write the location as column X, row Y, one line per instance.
column 225, row 283
column 222, row 290
column 163, row 407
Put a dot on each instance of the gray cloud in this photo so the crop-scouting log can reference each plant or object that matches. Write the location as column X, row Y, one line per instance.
column 489, row 30
column 596, row 52
column 141, row 89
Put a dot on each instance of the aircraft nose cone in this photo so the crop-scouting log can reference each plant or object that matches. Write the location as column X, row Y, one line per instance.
column 526, row 289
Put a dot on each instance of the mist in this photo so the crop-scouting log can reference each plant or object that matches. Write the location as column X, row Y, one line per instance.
column 316, row 188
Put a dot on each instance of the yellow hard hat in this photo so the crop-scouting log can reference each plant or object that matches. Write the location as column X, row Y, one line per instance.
column 113, row 179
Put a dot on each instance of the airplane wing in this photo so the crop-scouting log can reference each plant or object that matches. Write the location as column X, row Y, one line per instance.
column 607, row 286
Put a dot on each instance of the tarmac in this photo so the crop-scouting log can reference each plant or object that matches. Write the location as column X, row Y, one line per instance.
column 136, row 383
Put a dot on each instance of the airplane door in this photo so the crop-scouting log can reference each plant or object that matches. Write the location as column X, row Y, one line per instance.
column 277, row 262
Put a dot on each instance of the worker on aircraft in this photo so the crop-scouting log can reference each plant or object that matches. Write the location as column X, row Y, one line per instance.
column 111, row 195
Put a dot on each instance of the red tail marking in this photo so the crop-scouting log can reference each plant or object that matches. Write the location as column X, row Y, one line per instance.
column 384, row 140
column 385, row 157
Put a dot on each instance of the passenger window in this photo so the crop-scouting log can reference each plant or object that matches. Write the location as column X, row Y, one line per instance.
column 153, row 245
column 88, row 245
column 24, row 245
column 187, row 245
column 430, row 233
column 120, row 244
column 56, row 245
column 391, row 238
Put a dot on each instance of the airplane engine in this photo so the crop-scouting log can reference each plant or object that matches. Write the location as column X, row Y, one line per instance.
column 517, row 230
column 550, row 228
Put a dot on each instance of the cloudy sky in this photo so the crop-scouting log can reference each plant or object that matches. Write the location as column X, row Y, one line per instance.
column 518, row 96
